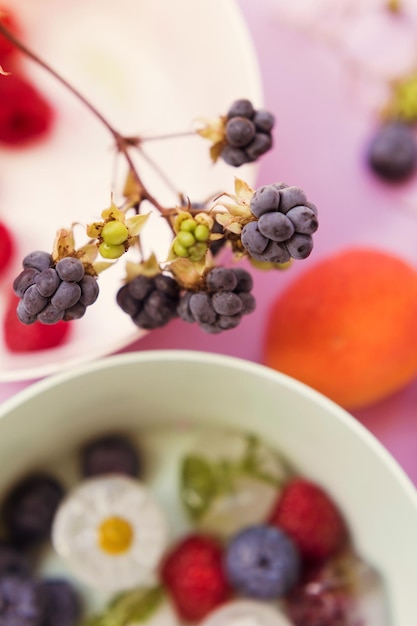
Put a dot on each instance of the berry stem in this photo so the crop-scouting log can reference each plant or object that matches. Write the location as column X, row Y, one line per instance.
column 123, row 143
column 177, row 135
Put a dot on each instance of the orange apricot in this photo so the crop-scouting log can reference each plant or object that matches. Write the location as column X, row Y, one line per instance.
column 347, row 326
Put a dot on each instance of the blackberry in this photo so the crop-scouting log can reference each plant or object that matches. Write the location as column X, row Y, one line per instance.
column 51, row 292
column 150, row 302
column 109, row 454
column 13, row 562
column 247, row 133
column 29, row 509
column 223, row 302
column 392, row 152
column 262, row 562
column 62, row 603
column 284, row 225
column 21, row 602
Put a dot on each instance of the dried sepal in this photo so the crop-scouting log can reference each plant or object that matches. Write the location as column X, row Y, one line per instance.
column 402, row 104
column 64, row 244
column 188, row 273
column 132, row 189
column 136, row 223
column 214, row 129
column 149, row 268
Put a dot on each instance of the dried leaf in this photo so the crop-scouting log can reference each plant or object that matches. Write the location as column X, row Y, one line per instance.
column 136, row 223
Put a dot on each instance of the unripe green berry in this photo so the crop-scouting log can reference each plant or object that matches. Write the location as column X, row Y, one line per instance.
column 188, row 225
column 202, row 232
column 185, row 238
column 114, row 232
column 179, row 249
column 108, row 251
column 197, row 252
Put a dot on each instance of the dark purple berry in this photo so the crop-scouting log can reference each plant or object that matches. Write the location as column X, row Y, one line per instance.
column 392, row 153
column 29, row 508
column 264, row 200
column 252, row 239
column 110, row 454
column 221, row 279
column 23, row 315
column 75, row 312
column 33, row 301
column 70, row 269
column 62, row 603
column 50, row 315
column 47, row 282
column 38, row 260
column 276, row 226
column 13, row 563
column 260, row 144
column 264, row 121
column 241, row 108
column 300, row 246
column 25, row 279
column 239, row 132
column 234, row 156
column 226, row 303
column 21, row 602
column 291, row 197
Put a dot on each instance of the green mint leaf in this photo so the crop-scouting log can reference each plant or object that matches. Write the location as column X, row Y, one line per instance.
column 131, row 607
column 198, row 485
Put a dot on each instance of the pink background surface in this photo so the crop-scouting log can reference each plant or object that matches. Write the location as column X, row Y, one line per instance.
column 323, row 122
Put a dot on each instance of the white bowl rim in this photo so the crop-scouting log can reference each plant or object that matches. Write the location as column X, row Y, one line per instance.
column 151, row 356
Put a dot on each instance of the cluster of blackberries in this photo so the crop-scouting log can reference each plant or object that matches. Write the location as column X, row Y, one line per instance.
column 28, row 511
column 223, row 302
column 151, row 302
column 284, row 225
column 247, row 133
column 392, row 152
column 51, row 292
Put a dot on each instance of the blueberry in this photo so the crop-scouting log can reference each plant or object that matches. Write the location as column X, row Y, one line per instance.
column 13, row 562
column 262, row 562
column 392, row 153
column 62, row 603
column 29, row 509
column 110, row 454
column 21, row 602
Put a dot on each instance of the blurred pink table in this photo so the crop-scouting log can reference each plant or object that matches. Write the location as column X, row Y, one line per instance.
column 314, row 120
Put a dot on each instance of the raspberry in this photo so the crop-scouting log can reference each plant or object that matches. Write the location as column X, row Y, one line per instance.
column 25, row 115
column 193, row 573
column 19, row 337
column 7, row 247
column 309, row 516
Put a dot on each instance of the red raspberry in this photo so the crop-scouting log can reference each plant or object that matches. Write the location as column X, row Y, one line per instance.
column 7, row 247
column 193, row 573
column 10, row 22
column 24, row 113
column 311, row 519
column 21, row 338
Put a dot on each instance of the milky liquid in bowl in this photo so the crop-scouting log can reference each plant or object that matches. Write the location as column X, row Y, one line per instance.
column 151, row 392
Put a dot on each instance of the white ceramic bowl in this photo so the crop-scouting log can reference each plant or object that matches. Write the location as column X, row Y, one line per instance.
column 157, row 387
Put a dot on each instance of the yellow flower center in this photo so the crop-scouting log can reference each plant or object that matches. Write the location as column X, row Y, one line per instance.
column 115, row 535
